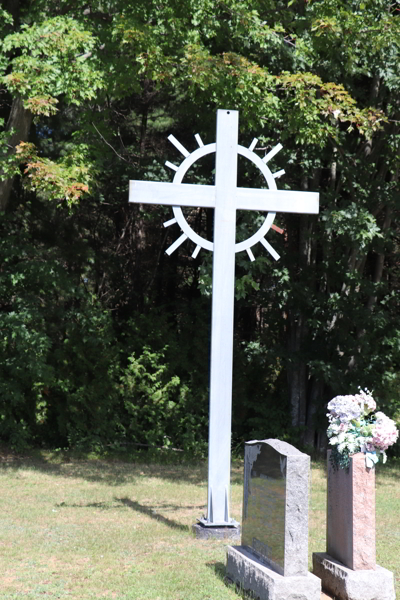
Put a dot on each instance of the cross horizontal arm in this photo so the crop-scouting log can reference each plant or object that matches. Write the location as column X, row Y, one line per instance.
column 277, row 200
column 172, row 194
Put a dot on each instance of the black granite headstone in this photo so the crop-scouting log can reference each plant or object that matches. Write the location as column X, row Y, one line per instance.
column 275, row 505
column 264, row 504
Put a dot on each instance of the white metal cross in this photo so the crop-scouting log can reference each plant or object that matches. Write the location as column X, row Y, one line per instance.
column 226, row 198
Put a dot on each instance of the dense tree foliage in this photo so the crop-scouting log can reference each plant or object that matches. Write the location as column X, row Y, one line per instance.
column 105, row 339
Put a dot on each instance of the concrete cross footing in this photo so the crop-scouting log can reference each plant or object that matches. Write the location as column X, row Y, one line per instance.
column 232, row 534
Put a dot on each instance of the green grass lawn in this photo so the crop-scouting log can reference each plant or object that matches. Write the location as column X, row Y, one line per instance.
column 88, row 528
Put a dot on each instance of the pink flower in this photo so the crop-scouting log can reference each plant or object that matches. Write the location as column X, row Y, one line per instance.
column 385, row 433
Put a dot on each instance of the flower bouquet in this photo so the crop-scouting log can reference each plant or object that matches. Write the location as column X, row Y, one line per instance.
column 355, row 427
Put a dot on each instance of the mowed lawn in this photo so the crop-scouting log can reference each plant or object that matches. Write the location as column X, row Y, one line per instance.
column 89, row 528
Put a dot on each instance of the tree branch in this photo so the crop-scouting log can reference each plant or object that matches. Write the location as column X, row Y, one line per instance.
column 108, row 144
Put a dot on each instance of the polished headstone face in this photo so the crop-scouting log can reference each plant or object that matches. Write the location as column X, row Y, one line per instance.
column 275, row 505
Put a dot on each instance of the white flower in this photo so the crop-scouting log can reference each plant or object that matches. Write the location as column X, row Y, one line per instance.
column 380, row 416
column 366, row 401
column 345, row 408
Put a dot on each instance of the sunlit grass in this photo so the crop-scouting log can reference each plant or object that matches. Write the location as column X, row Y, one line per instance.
column 83, row 529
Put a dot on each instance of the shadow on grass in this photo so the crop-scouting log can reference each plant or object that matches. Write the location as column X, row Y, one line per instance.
column 89, row 470
column 100, row 505
column 220, row 572
column 111, row 472
column 151, row 511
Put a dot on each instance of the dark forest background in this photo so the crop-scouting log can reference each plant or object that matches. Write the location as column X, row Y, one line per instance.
column 104, row 339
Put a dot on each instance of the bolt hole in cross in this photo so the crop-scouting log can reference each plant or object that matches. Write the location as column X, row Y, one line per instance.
column 226, row 198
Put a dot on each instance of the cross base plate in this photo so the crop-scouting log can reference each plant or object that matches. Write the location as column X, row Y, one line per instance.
column 207, row 523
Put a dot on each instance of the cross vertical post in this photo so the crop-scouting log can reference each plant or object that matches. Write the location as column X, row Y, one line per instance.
column 225, row 198
column 219, row 450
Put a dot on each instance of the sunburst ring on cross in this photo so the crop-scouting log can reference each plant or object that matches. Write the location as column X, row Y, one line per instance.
column 181, row 170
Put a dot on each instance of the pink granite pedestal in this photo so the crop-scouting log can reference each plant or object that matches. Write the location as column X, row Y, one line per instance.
column 348, row 569
column 350, row 525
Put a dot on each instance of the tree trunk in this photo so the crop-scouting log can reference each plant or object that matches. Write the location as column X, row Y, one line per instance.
column 19, row 121
column 380, row 258
column 297, row 370
column 312, row 436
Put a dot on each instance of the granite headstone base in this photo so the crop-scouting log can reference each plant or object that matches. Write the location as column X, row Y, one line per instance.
column 251, row 574
column 345, row 584
column 232, row 534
